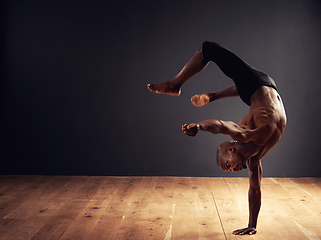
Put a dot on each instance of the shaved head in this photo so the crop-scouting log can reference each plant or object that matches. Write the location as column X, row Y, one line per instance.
column 221, row 155
column 228, row 157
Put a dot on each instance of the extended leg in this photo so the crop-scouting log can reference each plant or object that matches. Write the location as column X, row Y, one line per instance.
column 173, row 87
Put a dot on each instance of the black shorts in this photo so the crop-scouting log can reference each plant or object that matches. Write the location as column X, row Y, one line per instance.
column 246, row 78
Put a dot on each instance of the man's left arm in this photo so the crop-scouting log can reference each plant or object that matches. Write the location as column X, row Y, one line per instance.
column 255, row 177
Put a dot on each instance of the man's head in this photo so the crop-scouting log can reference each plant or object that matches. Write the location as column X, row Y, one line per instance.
column 229, row 158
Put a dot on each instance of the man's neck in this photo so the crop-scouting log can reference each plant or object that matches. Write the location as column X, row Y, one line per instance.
column 248, row 150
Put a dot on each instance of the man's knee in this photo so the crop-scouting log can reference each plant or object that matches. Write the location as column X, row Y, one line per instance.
column 205, row 46
column 210, row 49
column 205, row 49
column 210, row 45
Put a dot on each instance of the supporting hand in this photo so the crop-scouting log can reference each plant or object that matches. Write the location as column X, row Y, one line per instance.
column 190, row 129
column 243, row 231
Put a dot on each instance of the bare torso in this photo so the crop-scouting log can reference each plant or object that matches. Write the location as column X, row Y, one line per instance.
column 266, row 113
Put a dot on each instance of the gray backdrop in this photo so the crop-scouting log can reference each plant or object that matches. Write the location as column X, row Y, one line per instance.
column 75, row 73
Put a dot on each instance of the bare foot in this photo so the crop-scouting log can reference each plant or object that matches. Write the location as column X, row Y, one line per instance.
column 165, row 88
column 200, row 100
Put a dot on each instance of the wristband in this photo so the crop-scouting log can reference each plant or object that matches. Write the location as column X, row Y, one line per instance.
column 198, row 127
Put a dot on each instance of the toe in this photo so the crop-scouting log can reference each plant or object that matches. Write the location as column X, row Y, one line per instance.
column 150, row 88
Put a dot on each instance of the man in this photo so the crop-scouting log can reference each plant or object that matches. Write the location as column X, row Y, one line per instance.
column 255, row 135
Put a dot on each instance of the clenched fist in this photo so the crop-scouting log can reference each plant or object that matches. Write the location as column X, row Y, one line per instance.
column 190, row 129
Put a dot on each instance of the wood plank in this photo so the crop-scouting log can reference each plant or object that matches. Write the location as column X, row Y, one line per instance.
column 8, row 183
column 310, row 187
column 239, row 188
column 304, row 205
column 228, row 208
column 112, row 220
column 184, row 224
column 16, row 229
column 27, row 216
column 69, row 200
column 40, row 194
column 209, row 225
column 38, row 206
column 160, row 209
column 53, row 229
column 136, row 223
column 19, row 192
column 83, row 218
column 280, row 206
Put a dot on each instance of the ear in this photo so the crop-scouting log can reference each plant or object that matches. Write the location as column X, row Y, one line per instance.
column 231, row 149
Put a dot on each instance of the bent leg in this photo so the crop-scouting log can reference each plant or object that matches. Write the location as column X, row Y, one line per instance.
column 229, row 63
column 173, row 87
column 246, row 78
column 201, row 100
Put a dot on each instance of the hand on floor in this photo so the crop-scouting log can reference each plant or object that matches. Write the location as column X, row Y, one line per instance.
column 243, row 231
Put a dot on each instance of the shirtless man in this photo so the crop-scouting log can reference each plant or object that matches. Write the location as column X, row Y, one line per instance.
column 255, row 135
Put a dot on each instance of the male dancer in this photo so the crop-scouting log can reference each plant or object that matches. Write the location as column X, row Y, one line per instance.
column 255, row 135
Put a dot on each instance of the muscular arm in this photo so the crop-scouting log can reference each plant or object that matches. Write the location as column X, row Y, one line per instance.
column 255, row 177
column 218, row 126
column 258, row 135
column 226, row 127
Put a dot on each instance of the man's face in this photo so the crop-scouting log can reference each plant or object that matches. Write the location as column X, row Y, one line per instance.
column 234, row 164
column 231, row 160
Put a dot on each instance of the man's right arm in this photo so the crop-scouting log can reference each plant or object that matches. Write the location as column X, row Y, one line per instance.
column 255, row 177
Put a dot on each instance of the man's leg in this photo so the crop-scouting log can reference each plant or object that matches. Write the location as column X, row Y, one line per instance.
column 201, row 100
column 173, row 87
column 230, row 64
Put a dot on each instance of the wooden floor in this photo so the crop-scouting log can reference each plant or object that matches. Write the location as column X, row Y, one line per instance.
column 65, row 207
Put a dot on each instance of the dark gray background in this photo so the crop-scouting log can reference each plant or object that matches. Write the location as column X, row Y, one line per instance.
column 75, row 73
